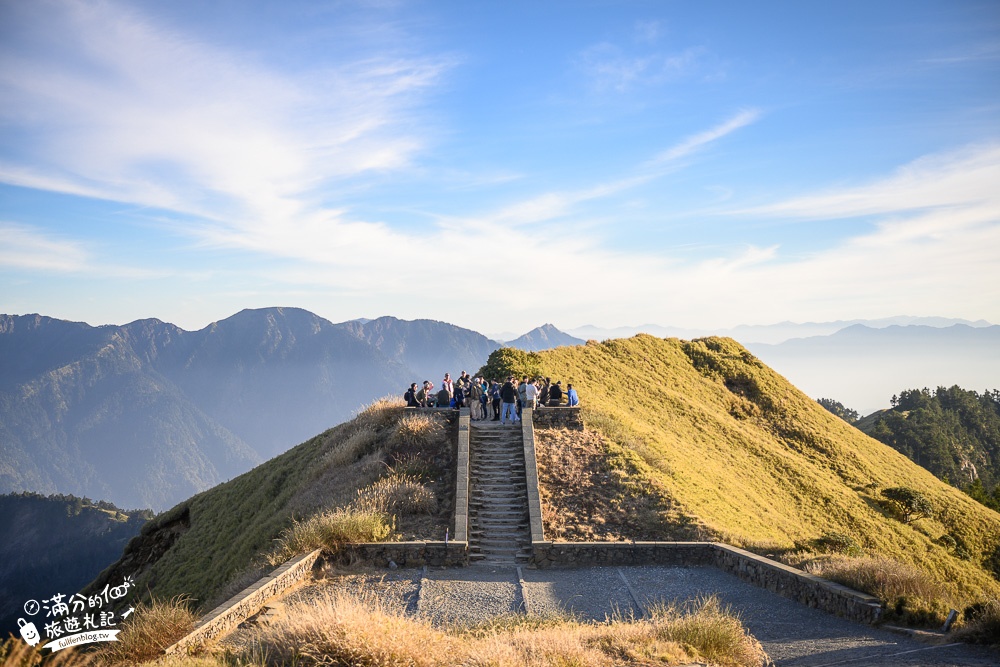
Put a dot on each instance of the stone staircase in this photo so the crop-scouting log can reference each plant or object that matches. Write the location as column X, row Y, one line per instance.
column 499, row 531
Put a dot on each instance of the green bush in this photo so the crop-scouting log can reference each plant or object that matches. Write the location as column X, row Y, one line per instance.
column 838, row 543
column 909, row 504
column 509, row 361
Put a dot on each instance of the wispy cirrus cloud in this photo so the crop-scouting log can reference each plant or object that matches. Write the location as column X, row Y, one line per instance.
column 698, row 141
column 611, row 68
column 964, row 178
column 26, row 247
column 109, row 104
column 553, row 205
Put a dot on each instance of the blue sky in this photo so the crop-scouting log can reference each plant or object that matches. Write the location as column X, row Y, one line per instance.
column 500, row 165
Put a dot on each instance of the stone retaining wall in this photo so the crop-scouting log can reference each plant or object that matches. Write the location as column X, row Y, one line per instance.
column 461, row 525
column 403, row 554
column 559, row 418
column 779, row 578
column 797, row 585
column 248, row 602
column 531, row 474
column 548, row 554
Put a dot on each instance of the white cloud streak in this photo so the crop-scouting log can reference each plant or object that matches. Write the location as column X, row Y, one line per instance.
column 24, row 247
column 967, row 177
column 112, row 106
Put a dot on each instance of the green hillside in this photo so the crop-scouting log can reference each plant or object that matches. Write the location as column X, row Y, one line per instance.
column 219, row 541
column 724, row 439
column 953, row 432
column 56, row 544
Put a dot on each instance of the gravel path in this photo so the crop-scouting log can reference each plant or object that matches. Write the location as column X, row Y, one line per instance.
column 792, row 634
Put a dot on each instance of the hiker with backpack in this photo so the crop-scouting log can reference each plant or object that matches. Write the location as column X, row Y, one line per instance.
column 411, row 397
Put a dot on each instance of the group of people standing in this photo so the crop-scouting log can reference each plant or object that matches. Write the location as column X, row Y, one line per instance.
column 485, row 397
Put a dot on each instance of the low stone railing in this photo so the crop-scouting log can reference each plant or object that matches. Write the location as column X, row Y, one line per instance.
column 403, row 554
column 461, row 526
column 247, row 602
column 776, row 577
column 562, row 417
column 531, row 473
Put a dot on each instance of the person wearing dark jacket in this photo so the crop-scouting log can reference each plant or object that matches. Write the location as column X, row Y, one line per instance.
column 411, row 396
column 508, row 394
column 495, row 399
column 543, row 397
column 555, row 394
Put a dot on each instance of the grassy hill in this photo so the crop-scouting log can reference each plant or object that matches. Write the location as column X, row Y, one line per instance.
column 386, row 472
column 722, row 441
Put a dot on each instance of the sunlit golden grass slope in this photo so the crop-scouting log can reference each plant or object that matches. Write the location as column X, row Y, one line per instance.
column 760, row 463
column 221, row 540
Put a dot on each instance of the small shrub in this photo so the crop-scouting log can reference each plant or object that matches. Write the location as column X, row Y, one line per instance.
column 947, row 541
column 909, row 504
column 149, row 630
column 838, row 543
column 992, row 563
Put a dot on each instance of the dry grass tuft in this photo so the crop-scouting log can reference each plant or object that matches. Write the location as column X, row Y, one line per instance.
column 982, row 624
column 362, row 441
column 329, row 530
column 17, row 653
column 711, row 629
column 380, row 414
column 342, row 629
column 910, row 593
column 152, row 628
column 396, row 494
column 416, row 432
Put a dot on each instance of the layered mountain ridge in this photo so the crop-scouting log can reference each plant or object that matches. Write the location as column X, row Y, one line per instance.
column 146, row 414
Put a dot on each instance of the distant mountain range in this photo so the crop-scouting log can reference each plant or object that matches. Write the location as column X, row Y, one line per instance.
column 769, row 333
column 862, row 367
column 146, row 414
